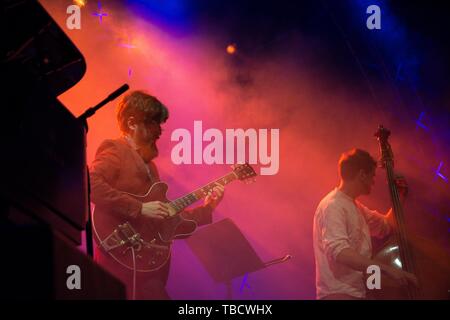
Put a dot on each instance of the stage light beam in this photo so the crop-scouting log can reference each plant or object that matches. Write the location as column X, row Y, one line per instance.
column 100, row 14
column 439, row 174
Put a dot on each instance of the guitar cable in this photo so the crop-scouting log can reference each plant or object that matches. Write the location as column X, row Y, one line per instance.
column 132, row 252
column 134, row 273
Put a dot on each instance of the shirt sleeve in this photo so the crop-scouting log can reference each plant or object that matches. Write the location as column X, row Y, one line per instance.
column 333, row 231
column 202, row 214
column 103, row 174
column 377, row 222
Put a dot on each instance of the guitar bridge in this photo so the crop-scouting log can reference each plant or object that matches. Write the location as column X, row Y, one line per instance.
column 123, row 235
column 112, row 241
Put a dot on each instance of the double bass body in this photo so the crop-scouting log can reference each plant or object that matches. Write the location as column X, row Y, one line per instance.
column 432, row 268
column 429, row 262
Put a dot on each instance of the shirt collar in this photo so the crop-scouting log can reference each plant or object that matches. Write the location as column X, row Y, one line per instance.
column 131, row 142
column 343, row 195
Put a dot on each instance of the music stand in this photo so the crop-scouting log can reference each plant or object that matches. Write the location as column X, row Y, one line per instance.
column 225, row 252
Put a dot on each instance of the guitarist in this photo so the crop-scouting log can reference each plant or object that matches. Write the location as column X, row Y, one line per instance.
column 126, row 165
column 342, row 230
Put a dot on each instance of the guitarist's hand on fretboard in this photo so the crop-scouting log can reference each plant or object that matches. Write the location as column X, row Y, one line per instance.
column 215, row 196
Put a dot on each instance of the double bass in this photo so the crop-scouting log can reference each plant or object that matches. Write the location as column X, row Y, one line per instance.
column 427, row 261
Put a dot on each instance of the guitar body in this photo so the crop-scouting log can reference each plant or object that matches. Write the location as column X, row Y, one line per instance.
column 151, row 240
column 143, row 244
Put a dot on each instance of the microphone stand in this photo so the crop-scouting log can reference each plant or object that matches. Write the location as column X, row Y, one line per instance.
column 88, row 113
column 91, row 111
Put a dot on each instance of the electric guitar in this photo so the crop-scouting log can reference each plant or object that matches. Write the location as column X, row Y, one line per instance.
column 144, row 245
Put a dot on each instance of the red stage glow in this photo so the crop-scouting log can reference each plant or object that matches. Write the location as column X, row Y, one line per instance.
column 317, row 114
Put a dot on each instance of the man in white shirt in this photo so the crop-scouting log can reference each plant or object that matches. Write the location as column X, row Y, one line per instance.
column 342, row 231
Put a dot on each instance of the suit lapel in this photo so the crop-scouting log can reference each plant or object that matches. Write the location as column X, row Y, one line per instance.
column 139, row 162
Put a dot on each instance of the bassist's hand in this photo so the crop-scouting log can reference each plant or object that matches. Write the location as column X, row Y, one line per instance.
column 402, row 186
column 402, row 277
column 155, row 210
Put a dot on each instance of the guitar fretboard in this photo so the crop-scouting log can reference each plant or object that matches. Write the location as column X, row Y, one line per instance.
column 183, row 202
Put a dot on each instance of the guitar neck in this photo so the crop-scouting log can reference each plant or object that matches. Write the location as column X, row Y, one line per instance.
column 185, row 201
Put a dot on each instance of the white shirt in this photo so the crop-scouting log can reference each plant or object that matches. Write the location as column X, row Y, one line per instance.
column 339, row 223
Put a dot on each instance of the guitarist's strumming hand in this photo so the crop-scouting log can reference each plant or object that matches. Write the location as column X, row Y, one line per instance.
column 213, row 199
column 155, row 210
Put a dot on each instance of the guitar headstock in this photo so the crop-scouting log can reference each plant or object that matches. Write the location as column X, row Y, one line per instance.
column 244, row 172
